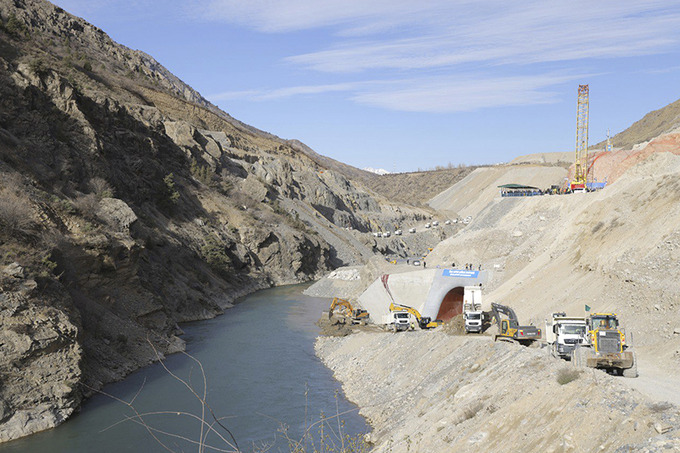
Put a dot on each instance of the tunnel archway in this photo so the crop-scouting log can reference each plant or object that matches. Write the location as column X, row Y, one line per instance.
column 452, row 304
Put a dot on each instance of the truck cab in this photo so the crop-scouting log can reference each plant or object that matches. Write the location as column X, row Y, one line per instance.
column 472, row 309
column 398, row 320
column 473, row 321
column 565, row 333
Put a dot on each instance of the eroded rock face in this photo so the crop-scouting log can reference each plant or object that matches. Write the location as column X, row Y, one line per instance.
column 39, row 366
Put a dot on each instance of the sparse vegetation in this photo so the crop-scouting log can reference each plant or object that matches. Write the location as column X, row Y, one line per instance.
column 567, row 375
column 87, row 205
column 214, row 253
column 202, row 173
column 16, row 214
column 101, row 188
column 15, row 28
column 171, row 193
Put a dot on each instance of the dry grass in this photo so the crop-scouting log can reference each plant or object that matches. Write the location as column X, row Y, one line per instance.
column 567, row 375
column 16, row 214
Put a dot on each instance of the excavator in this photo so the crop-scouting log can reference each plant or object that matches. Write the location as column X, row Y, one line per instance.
column 424, row 322
column 509, row 328
column 344, row 310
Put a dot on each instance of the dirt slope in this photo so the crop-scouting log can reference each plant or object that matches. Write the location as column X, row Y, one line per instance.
column 426, row 391
column 472, row 194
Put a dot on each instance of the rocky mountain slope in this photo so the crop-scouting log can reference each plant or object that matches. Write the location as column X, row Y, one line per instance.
column 130, row 204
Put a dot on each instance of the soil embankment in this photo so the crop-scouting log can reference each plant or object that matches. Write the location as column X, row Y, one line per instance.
column 428, row 391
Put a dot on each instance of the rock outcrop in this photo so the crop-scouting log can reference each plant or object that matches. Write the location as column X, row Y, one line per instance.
column 131, row 204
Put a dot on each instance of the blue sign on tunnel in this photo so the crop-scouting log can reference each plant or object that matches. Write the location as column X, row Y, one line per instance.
column 460, row 273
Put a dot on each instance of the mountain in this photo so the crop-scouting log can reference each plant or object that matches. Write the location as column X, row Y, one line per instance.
column 129, row 204
column 377, row 171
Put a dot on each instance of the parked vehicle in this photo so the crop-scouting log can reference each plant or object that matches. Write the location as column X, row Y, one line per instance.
column 607, row 347
column 509, row 328
column 565, row 333
column 412, row 230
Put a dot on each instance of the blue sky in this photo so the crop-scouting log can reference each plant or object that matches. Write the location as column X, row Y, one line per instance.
column 405, row 84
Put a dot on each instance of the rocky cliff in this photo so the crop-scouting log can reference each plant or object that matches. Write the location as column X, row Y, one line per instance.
column 130, row 204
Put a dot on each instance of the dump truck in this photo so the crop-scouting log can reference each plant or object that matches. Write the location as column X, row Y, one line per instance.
column 472, row 309
column 509, row 328
column 607, row 347
column 341, row 311
column 397, row 320
column 424, row 322
column 564, row 333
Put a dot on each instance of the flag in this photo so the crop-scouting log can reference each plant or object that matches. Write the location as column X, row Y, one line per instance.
column 587, row 307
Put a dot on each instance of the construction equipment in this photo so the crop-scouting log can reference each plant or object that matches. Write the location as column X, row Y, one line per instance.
column 343, row 310
column 509, row 328
column 581, row 160
column 472, row 309
column 606, row 347
column 424, row 322
column 564, row 333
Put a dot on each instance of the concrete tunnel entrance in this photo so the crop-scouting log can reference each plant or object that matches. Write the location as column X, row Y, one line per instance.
column 452, row 304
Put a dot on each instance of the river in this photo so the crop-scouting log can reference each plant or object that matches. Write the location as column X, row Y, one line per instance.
column 261, row 372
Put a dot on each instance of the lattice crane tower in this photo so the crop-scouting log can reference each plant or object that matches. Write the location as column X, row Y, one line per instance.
column 581, row 162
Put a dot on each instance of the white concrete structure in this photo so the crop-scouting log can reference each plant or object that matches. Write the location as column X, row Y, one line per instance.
column 437, row 293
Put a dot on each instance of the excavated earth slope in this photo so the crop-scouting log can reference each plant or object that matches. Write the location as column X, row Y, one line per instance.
column 426, row 391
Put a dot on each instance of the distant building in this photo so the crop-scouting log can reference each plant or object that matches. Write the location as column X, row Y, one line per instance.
column 519, row 190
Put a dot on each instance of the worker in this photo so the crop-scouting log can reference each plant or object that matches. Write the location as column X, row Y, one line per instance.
column 603, row 324
column 407, row 260
column 413, row 325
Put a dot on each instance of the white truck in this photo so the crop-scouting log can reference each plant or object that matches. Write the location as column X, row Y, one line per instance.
column 397, row 320
column 472, row 309
column 564, row 333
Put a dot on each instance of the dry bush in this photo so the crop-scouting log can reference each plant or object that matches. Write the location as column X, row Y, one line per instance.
column 87, row 205
column 101, row 187
column 567, row 375
column 16, row 214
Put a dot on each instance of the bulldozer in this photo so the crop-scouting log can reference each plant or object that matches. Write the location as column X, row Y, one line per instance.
column 509, row 328
column 606, row 347
column 341, row 310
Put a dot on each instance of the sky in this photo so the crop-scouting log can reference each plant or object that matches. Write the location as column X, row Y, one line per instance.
column 406, row 85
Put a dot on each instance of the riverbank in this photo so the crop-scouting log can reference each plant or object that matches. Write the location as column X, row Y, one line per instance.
column 427, row 391
column 261, row 374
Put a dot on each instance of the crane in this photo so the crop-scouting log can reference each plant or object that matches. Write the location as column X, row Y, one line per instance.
column 581, row 160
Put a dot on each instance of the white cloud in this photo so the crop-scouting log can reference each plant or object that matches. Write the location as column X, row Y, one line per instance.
column 470, row 45
column 430, row 94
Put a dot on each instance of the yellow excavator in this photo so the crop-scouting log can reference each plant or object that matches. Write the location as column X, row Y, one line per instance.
column 424, row 322
column 509, row 328
column 343, row 310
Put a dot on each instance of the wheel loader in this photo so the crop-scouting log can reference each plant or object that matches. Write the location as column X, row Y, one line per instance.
column 606, row 347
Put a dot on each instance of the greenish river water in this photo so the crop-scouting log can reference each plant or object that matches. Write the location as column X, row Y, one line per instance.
column 261, row 370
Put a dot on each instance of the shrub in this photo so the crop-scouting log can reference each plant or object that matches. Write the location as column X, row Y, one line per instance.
column 214, row 253
column 171, row 193
column 201, row 172
column 101, row 188
column 87, row 205
column 87, row 66
column 567, row 375
column 16, row 214
column 39, row 67
column 15, row 28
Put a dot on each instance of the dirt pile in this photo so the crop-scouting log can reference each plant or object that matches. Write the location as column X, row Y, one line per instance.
column 462, row 394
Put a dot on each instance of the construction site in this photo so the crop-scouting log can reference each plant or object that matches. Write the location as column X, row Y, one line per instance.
column 564, row 294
